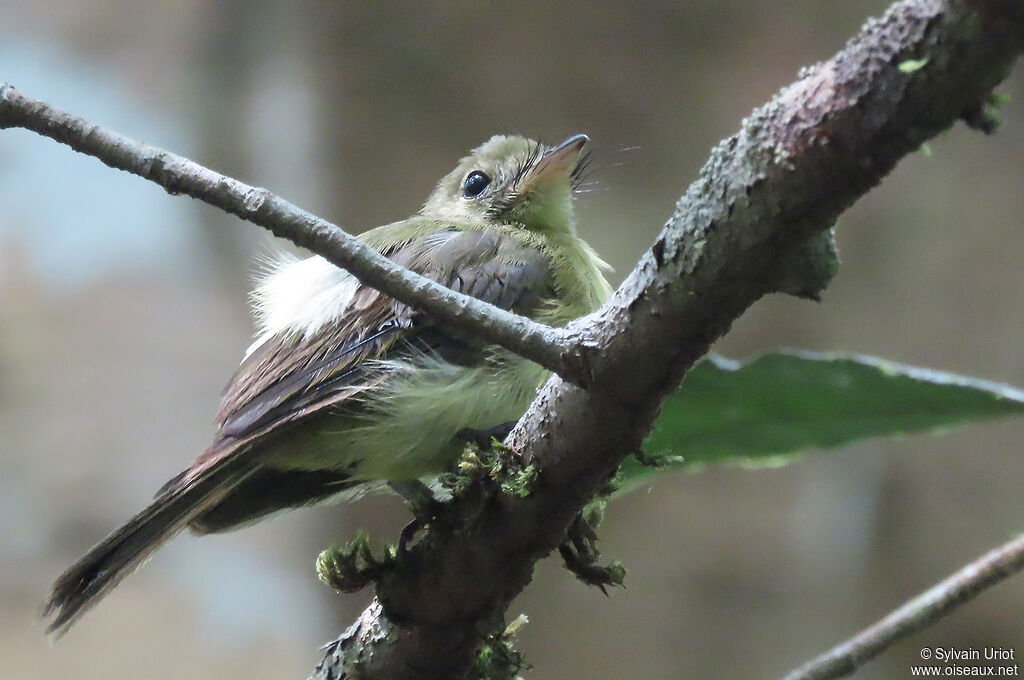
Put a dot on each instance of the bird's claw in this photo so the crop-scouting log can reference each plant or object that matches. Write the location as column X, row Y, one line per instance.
column 425, row 509
column 484, row 438
column 580, row 554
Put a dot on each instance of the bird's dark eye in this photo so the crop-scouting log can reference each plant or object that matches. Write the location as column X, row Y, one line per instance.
column 475, row 183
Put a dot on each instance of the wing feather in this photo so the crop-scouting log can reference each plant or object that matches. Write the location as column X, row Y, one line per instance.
column 291, row 375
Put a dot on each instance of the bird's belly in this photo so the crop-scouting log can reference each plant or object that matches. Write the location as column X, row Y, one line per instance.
column 406, row 428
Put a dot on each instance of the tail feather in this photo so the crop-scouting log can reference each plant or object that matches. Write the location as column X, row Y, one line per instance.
column 127, row 548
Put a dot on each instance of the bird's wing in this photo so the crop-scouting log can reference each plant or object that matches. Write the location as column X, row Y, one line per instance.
column 291, row 376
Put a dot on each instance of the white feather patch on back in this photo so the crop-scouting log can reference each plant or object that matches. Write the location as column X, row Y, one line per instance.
column 300, row 296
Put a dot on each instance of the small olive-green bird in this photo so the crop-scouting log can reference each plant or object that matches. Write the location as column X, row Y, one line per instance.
column 346, row 389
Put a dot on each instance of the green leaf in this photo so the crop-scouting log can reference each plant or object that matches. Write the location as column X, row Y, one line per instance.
column 764, row 411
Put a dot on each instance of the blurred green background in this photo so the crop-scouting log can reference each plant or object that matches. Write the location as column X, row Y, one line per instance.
column 123, row 313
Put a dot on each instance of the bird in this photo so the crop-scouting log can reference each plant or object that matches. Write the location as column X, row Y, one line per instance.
column 345, row 389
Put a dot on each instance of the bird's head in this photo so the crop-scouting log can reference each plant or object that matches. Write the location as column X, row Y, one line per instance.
column 511, row 179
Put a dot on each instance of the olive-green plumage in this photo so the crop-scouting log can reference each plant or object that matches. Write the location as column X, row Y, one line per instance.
column 346, row 389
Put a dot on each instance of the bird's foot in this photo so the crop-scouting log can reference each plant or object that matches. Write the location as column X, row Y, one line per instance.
column 485, row 438
column 425, row 509
column 580, row 554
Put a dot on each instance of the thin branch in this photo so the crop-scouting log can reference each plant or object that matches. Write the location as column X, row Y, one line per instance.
column 552, row 348
column 991, row 568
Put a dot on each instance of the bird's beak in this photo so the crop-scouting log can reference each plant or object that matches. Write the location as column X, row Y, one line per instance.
column 558, row 162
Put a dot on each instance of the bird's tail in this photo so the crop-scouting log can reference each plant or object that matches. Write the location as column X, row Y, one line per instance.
column 90, row 578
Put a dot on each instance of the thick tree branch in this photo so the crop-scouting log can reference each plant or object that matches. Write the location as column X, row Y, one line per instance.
column 770, row 191
column 756, row 221
column 845, row 658
column 552, row 348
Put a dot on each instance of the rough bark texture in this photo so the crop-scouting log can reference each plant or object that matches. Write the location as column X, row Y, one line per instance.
column 767, row 197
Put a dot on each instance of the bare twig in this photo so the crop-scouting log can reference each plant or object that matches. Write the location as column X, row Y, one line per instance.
column 552, row 348
column 942, row 598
